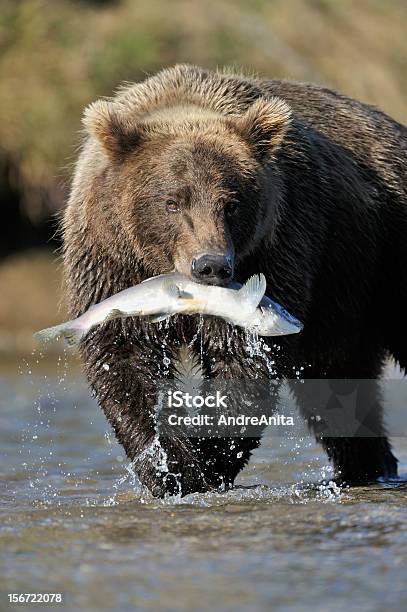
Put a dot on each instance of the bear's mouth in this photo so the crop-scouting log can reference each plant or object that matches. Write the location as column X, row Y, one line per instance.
column 213, row 282
column 210, row 281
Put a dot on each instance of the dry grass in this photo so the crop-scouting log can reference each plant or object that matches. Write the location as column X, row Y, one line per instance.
column 30, row 298
column 58, row 55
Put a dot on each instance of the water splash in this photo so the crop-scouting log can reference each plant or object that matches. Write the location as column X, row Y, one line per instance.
column 38, row 449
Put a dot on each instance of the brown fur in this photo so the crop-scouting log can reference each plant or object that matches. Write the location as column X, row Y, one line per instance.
column 298, row 182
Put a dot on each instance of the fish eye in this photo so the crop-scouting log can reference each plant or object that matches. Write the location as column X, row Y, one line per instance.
column 231, row 207
column 172, row 206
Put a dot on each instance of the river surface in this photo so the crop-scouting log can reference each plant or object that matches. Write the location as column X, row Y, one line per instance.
column 75, row 521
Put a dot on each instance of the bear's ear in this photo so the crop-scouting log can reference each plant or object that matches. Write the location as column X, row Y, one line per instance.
column 116, row 134
column 264, row 125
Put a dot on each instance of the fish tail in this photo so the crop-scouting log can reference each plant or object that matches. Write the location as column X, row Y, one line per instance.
column 67, row 331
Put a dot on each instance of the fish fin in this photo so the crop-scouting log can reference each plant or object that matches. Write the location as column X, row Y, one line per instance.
column 71, row 335
column 253, row 290
column 174, row 291
column 161, row 316
column 115, row 313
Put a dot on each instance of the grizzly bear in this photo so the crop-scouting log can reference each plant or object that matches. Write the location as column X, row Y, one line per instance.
column 219, row 176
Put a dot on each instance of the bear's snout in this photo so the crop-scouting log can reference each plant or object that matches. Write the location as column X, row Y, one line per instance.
column 212, row 268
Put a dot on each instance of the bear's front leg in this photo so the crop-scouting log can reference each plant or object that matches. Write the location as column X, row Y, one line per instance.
column 124, row 366
column 347, row 402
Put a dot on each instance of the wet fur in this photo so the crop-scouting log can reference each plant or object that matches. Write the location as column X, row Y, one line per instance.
column 322, row 190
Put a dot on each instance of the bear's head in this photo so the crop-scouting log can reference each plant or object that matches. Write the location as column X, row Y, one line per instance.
column 186, row 188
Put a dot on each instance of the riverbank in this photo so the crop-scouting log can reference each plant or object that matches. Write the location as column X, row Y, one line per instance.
column 30, row 299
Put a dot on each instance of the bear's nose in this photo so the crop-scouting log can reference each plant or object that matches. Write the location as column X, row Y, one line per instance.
column 212, row 269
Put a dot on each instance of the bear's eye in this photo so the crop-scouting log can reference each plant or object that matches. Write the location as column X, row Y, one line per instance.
column 172, row 206
column 231, row 207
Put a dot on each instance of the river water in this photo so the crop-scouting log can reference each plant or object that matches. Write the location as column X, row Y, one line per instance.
column 75, row 521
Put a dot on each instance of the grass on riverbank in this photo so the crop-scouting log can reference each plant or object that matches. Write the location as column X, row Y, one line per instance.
column 30, row 298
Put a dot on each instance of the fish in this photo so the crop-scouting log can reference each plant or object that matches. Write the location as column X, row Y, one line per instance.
column 163, row 296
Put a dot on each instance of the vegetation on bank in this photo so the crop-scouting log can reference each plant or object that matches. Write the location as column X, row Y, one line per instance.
column 56, row 56
column 30, row 299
